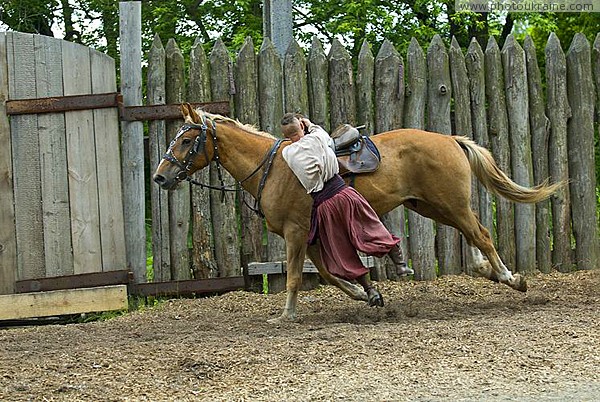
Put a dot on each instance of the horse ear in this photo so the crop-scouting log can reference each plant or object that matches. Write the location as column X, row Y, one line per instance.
column 193, row 114
column 185, row 111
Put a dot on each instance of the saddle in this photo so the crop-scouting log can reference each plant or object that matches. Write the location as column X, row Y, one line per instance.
column 356, row 153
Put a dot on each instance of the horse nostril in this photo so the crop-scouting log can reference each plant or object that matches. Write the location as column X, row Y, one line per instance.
column 160, row 179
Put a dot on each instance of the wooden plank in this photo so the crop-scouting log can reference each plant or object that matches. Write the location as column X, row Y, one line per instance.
column 540, row 130
column 439, row 95
column 169, row 112
column 280, row 267
column 189, row 287
column 132, row 138
column 204, row 264
column 179, row 199
column 108, row 161
column 62, row 302
column 318, row 70
column 54, row 171
column 559, row 112
column 58, row 103
column 227, row 239
column 580, row 139
column 8, row 242
column 74, row 281
column 157, row 137
column 498, row 130
column 26, row 167
column 517, row 101
column 295, row 85
column 341, row 86
column 246, row 111
column 365, row 76
column 81, row 156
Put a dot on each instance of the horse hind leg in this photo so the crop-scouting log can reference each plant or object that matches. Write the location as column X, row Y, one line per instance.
column 494, row 269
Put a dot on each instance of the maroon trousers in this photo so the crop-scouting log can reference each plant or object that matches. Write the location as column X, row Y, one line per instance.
column 347, row 223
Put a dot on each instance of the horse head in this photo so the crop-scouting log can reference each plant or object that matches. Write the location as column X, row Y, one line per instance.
column 189, row 151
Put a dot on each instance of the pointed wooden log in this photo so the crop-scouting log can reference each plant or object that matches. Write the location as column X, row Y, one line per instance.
column 341, row 86
column 318, row 88
column 295, row 85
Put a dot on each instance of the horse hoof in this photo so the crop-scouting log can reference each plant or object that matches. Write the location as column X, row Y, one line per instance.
column 519, row 283
column 282, row 319
column 375, row 298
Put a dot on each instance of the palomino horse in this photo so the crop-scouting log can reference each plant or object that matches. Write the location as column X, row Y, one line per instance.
column 429, row 173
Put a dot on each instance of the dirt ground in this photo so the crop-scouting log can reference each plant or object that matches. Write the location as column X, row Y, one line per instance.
column 455, row 339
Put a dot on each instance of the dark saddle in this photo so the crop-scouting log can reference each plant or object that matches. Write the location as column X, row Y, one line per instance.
column 356, row 153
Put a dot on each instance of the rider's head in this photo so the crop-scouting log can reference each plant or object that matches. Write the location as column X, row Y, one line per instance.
column 291, row 127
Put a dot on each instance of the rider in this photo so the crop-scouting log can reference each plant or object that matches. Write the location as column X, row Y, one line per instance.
column 341, row 217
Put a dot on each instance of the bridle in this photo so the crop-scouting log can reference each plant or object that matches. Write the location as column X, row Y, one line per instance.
column 199, row 145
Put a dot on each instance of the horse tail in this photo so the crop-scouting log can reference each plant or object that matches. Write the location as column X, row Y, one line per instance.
column 495, row 180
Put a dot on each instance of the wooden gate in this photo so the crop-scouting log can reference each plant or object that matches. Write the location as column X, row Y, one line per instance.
column 61, row 207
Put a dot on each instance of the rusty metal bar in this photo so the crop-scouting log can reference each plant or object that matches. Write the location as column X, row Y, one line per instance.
column 169, row 112
column 74, row 281
column 100, row 101
column 181, row 288
column 61, row 103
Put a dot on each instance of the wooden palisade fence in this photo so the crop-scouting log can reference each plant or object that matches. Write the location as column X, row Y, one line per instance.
column 494, row 96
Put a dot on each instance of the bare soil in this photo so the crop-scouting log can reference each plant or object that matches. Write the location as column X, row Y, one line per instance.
column 457, row 338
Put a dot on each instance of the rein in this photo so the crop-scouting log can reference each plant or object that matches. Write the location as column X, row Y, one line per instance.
column 200, row 141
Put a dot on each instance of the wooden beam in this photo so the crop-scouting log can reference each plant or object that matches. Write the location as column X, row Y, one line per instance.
column 61, row 103
column 89, row 280
column 63, row 302
column 280, row 267
column 169, row 112
column 188, row 287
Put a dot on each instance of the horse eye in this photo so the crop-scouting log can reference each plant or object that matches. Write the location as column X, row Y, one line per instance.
column 186, row 141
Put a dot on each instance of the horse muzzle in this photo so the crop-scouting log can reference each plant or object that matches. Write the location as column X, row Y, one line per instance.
column 166, row 183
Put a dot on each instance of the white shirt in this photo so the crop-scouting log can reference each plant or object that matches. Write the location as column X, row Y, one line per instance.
column 312, row 159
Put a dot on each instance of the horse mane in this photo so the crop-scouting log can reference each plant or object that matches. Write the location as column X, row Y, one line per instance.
column 249, row 128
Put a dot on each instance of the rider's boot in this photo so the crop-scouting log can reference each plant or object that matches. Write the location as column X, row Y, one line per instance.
column 402, row 268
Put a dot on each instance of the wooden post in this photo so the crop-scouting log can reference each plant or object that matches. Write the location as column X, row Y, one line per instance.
column 246, row 110
column 439, row 95
column 278, row 24
column 540, row 129
column 204, row 264
column 580, row 139
column 295, row 85
column 341, row 86
column 179, row 199
column 8, row 243
column 420, row 229
column 498, row 130
column 559, row 112
column 463, row 126
column 475, row 63
column 517, row 101
column 318, row 68
column 132, row 142
column 157, row 145
column 365, row 72
column 225, row 223
column 389, row 108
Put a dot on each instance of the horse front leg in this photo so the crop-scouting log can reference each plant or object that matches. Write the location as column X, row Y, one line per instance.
column 353, row 290
column 296, row 251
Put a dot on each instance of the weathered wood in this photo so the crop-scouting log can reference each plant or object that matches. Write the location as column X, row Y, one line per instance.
column 8, row 242
column 26, row 164
column 364, row 89
column 475, row 64
column 421, row 230
column 246, row 110
column 187, row 288
column 295, row 84
column 94, row 279
column 389, row 105
column 341, row 86
column 498, row 130
column 559, row 112
column 225, row 225
column 517, row 101
column 132, row 138
column 439, row 95
column 463, row 126
column 540, row 129
column 318, row 70
column 204, row 264
column 270, row 101
column 81, row 156
column 110, row 196
column 56, row 104
column 63, row 302
column 179, row 199
column 580, row 139
column 157, row 144
column 53, row 156
column 280, row 267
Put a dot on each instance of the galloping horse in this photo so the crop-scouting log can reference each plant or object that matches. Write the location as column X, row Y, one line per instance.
column 429, row 173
